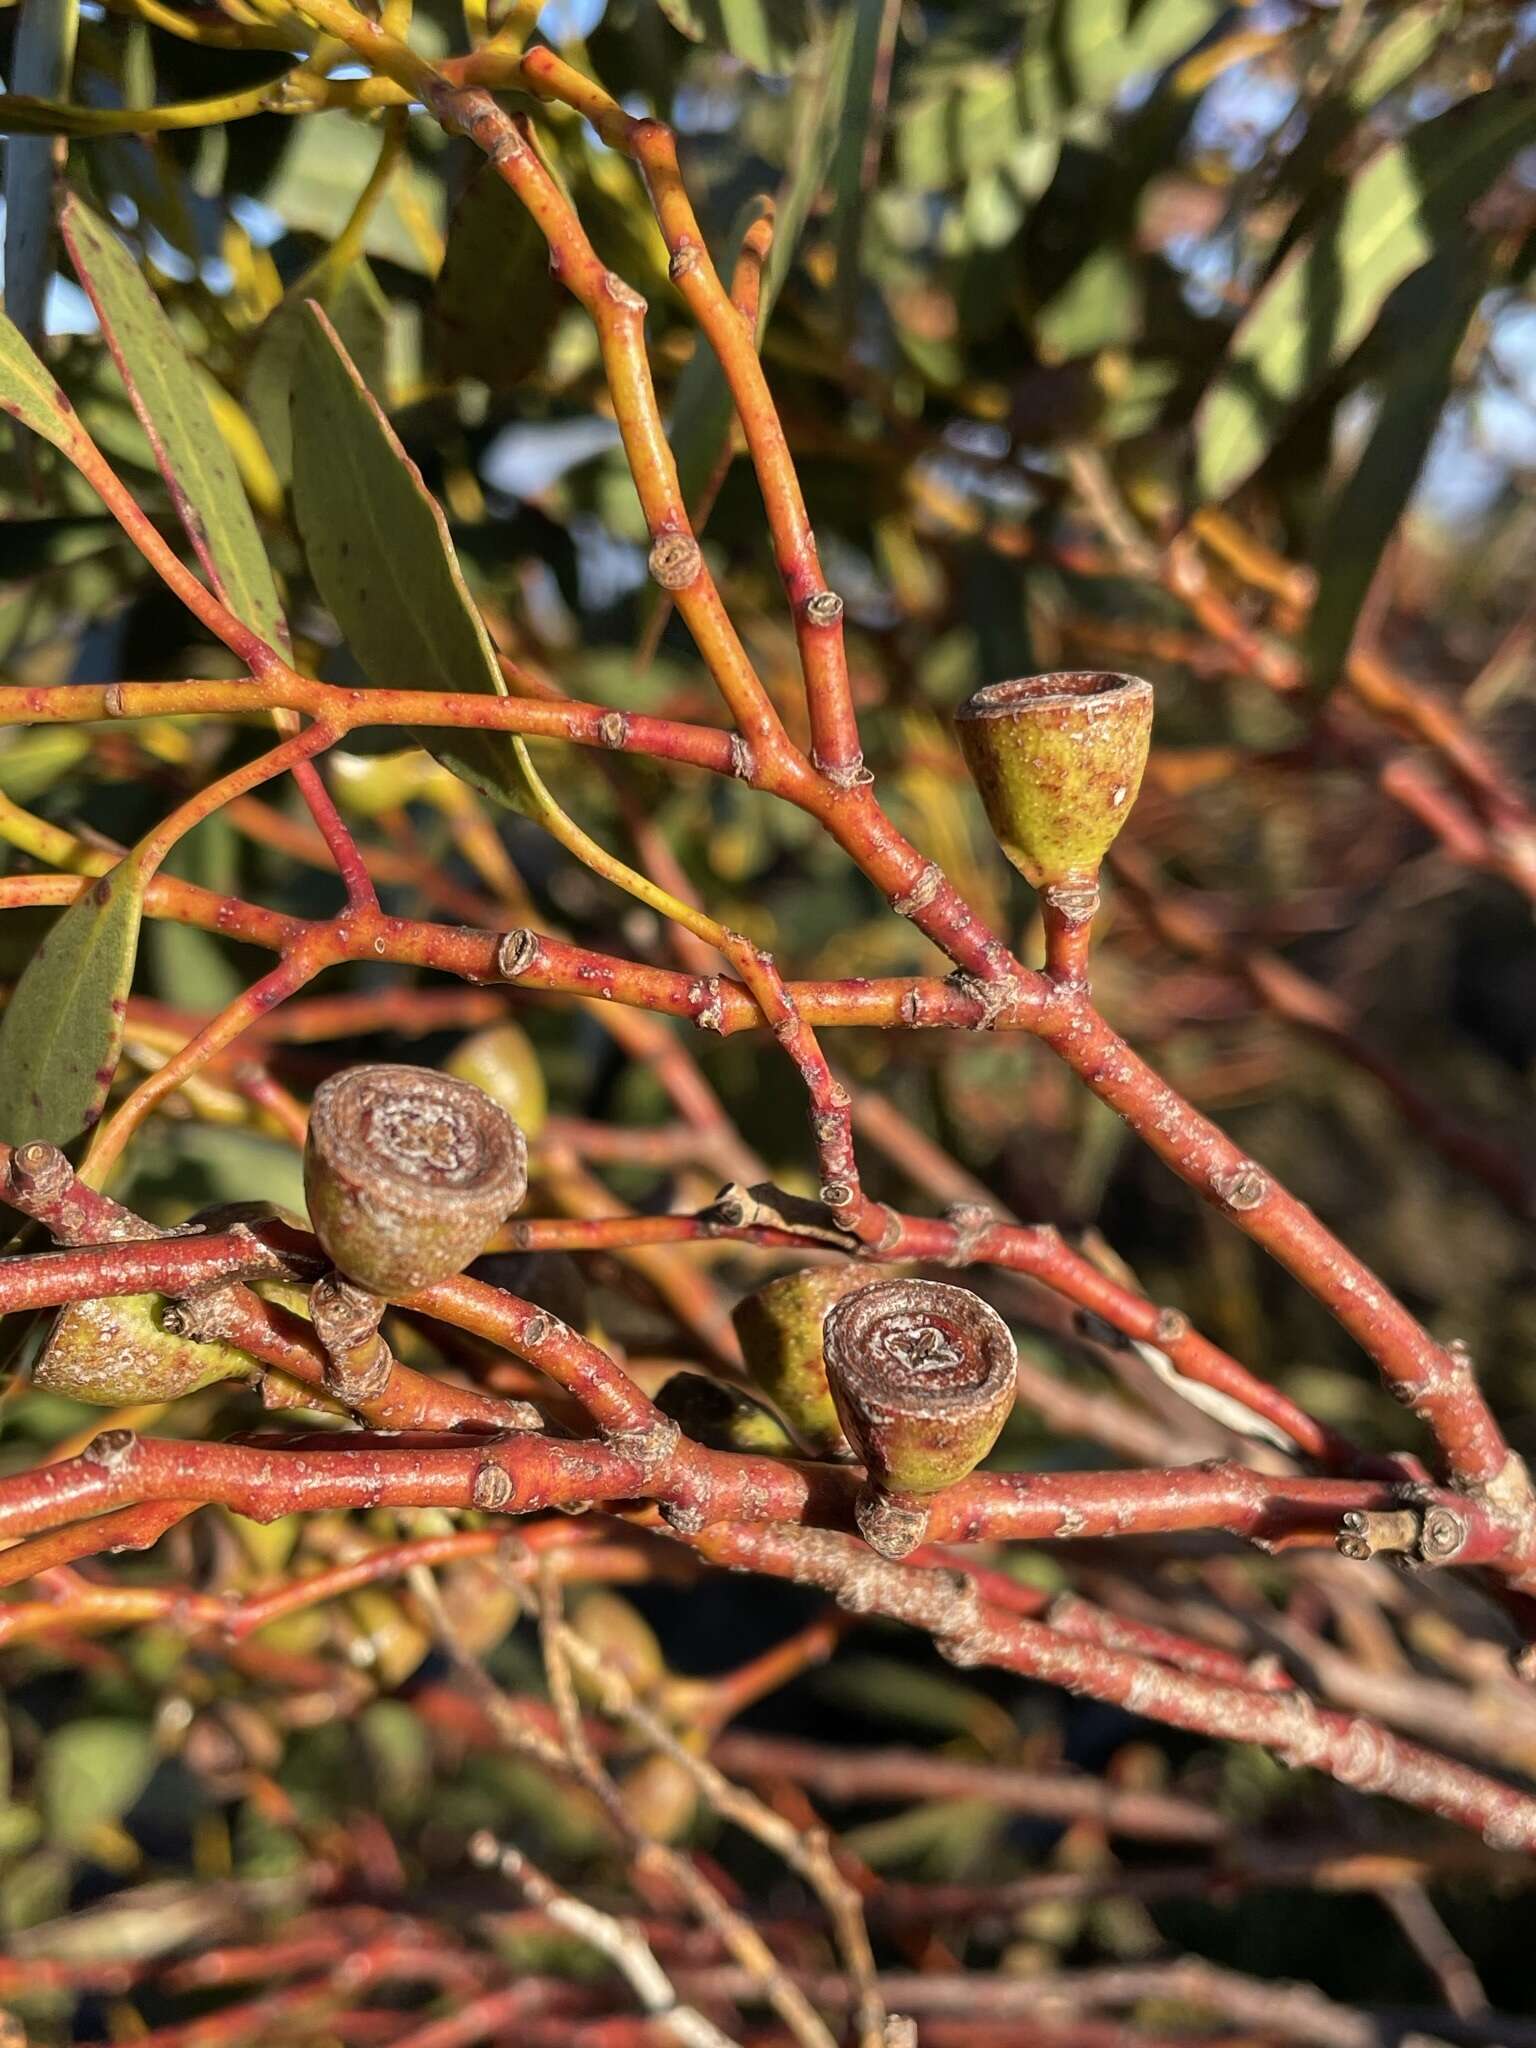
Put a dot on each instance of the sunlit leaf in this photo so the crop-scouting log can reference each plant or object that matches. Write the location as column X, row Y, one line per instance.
column 1101, row 44
column 1325, row 296
column 325, row 167
column 191, row 453
column 770, row 35
column 378, row 549
column 1369, row 503
column 29, row 394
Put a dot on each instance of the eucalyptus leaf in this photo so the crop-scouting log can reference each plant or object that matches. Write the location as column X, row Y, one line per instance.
column 327, row 162
column 62, row 1031
column 189, row 450
column 769, row 35
column 359, row 312
column 702, row 410
column 41, row 64
column 1368, row 504
column 29, row 394
column 1322, row 301
column 855, row 155
column 379, row 551
column 1100, row 45
column 496, row 299
column 92, row 1771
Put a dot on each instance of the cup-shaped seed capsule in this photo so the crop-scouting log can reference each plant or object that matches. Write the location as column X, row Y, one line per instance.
column 780, row 1327
column 1058, row 761
column 924, row 1377
column 408, row 1173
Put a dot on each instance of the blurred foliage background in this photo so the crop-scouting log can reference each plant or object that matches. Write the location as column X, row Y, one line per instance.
column 1073, row 308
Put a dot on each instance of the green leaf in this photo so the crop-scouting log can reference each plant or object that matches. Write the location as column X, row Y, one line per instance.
column 1102, row 44
column 975, row 119
column 190, row 451
column 92, row 1771
column 32, row 761
column 378, row 549
column 62, row 1031
column 855, row 156
column 1100, row 306
column 701, row 413
column 327, row 163
column 359, row 312
column 1324, row 298
column 496, row 298
column 41, row 63
column 1397, row 52
column 184, row 964
column 1368, row 505
column 30, row 395
column 769, row 35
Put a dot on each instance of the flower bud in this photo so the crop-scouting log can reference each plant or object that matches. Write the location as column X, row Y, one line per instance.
column 115, row 1351
column 780, row 1330
column 407, row 1174
column 723, row 1418
column 1058, row 761
column 501, row 1060
column 924, row 1377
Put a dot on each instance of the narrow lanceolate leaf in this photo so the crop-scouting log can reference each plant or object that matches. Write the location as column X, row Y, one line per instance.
column 495, row 299
column 189, row 450
column 857, row 151
column 43, row 59
column 359, row 312
column 378, row 549
column 770, row 35
column 1369, row 503
column 30, row 395
column 1322, row 301
column 62, row 1031
column 701, row 421
column 1099, row 45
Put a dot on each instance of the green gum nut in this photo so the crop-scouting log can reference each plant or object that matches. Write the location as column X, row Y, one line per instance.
column 723, row 1418
column 408, row 1174
column 1058, row 761
column 116, row 1351
column 780, row 1329
column 501, row 1061
column 623, row 1638
column 924, row 1376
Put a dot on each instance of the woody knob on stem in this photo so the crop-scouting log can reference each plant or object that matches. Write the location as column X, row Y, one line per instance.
column 924, row 1377
column 1058, row 761
column 407, row 1174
